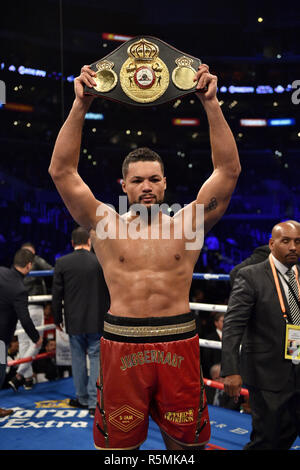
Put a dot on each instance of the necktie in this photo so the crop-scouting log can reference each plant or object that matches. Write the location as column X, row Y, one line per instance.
column 293, row 305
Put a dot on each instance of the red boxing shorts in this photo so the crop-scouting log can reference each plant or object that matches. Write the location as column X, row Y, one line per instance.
column 150, row 366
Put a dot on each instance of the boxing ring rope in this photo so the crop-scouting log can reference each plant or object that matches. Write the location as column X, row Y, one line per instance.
column 220, row 386
column 207, row 382
column 193, row 305
column 30, row 358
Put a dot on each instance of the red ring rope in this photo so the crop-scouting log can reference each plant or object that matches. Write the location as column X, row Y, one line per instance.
column 30, row 359
column 220, row 386
column 208, row 382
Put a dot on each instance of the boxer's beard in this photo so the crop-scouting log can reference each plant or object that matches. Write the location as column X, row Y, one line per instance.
column 152, row 209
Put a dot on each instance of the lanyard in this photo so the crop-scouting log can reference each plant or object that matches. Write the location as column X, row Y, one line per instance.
column 279, row 293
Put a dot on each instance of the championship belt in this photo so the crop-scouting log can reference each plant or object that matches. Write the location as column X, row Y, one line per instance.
column 144, row 71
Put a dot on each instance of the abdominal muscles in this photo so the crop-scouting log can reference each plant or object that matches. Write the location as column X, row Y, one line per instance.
column 145, row 293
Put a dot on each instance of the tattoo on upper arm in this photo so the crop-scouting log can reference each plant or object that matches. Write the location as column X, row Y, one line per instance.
column 212, row 205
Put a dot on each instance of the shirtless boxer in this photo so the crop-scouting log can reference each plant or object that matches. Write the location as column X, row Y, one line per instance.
column 150, row 362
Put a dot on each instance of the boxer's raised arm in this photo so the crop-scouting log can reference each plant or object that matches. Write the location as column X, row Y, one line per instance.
column 76, row 195
column 217, row 190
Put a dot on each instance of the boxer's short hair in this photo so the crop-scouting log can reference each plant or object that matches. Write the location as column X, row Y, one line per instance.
column 142, row 154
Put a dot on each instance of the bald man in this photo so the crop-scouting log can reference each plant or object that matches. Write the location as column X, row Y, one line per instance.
column 262, row 310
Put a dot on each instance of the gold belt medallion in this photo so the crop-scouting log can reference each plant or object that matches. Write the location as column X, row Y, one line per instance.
column 144, row 77
column 183, row 75
column 106, row 78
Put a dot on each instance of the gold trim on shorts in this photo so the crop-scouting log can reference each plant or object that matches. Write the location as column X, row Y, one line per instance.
column 140, row 331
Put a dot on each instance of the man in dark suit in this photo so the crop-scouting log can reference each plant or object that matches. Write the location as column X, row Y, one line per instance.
column 260, row 307
column 78, row 281
column 34, row 286
column 14, row 307
column 218, row 397
column 211, row 356
column 259, row 254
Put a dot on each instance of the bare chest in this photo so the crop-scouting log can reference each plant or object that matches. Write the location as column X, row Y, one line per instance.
column 157, row 247
column 161, row 254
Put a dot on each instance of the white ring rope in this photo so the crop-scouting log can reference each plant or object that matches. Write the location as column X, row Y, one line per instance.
column 205, row 343
column 208, row 307
column 49, row 326
column 39, row 298
column 193, row 306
